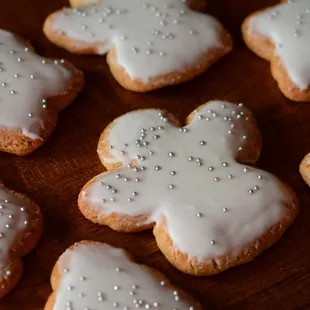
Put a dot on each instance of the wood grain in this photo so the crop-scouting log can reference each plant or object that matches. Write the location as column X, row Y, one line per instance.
column 53, row 175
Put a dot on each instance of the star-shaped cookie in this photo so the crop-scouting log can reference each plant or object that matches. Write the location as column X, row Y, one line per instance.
column 149, row 43
column 32, row 92
column 281, row 35
column 21, row 226
column 209, row 210
column 93, row 275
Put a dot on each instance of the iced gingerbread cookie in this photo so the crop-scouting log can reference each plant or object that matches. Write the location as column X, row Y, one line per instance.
column 209, row 209
column 194, row 4
column 32, row 90
column 93, row 275
column 21, row 226
column 149, row 43
column 281, row 35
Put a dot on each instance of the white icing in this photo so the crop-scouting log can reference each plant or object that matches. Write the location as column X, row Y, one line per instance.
column 151, row 37
column 287, row 25
column 13, row 223
column 97, row 276
column 24, row 82
column 206, row 217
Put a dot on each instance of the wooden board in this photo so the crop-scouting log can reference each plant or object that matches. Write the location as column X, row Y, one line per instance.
column 54, row 175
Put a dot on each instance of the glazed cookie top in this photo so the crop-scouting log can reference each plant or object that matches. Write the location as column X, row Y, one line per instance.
column 151, row 37
column 287, row 25
column 14, row 222
column 98, row 276
column 212, row 205
column 26, row 80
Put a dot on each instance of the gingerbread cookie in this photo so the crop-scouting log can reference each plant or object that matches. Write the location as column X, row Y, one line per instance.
column 304, row 169
column 281, row 35
column 21, row 226
column 194, row 4
column 210, row 211
column 149, row 43
column 32, row 90
column 94, row 275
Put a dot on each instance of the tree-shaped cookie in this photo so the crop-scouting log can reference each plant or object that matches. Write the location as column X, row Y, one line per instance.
column 93, row 275
column 32, row 92
column 281, row 35
column 209, row 210
column 149, row 44
column 21, row 226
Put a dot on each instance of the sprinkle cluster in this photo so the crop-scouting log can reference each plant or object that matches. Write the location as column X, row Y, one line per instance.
column 166, row 17
column 13, row 82
column 300, row 21
column 26, row 80
column 13, row 220
column 127, row 286
column 287, row 26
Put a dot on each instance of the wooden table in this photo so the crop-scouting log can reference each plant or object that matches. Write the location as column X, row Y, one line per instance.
column 54, row 175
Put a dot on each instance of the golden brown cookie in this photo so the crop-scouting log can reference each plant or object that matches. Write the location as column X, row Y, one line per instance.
column 94, row 275
column 208, row 209
column 281, row 35
column 304, row 169
column 33, row 91
column 21, row 226
column 173, row 46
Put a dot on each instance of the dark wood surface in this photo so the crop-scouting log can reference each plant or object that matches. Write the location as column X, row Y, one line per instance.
column 54, row 175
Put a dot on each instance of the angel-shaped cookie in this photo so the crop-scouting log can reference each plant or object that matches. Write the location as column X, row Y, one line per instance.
column 209, row 210
column 21, row 226
column 149, row 43
column 33, row 90
column 93, row 275
column 281, row 35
